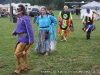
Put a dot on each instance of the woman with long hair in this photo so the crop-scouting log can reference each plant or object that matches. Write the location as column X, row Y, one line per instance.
column 44, row 21
column 25, row 38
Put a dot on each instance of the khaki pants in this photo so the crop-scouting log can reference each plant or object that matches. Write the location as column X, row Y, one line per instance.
column 20, row 48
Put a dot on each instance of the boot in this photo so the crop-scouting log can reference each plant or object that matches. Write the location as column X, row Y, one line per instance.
column 18, row 68
column 26, row 66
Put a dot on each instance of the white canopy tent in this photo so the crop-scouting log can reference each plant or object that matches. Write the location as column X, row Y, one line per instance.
column 94, row 6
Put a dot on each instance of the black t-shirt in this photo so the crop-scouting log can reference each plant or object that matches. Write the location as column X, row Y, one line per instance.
column 65, row 15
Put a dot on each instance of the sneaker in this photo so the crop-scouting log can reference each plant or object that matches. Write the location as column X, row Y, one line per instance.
column 65, row 40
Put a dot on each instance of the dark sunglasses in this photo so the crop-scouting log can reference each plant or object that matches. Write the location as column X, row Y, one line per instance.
column 18, row 9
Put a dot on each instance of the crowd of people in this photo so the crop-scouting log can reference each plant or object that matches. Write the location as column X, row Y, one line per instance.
column 46, row 22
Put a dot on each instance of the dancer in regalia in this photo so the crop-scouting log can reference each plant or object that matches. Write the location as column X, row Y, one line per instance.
column 65, row 21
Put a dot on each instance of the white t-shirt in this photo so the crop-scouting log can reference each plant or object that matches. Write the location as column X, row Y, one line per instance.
column 88, row 15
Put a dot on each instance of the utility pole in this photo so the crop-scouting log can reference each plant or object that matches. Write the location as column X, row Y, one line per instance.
column 10, row 11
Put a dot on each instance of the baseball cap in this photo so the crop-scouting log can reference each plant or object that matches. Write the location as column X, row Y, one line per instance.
column 88, row 9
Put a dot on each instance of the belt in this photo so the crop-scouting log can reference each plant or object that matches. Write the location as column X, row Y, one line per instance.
column 45, row 27
column 63, row 28
column 22, row 34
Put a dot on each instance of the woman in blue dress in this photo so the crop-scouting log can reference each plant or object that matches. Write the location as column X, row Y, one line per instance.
column 44, row 21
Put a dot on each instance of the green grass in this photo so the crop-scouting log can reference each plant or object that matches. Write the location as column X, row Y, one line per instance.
column 77, row 56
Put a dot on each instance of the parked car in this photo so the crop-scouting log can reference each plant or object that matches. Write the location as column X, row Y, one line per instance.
column 34, row 12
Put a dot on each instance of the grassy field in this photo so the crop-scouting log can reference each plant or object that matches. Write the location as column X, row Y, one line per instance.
column 77, row 56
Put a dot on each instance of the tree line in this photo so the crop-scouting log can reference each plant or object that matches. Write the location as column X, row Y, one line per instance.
column 55, row 4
